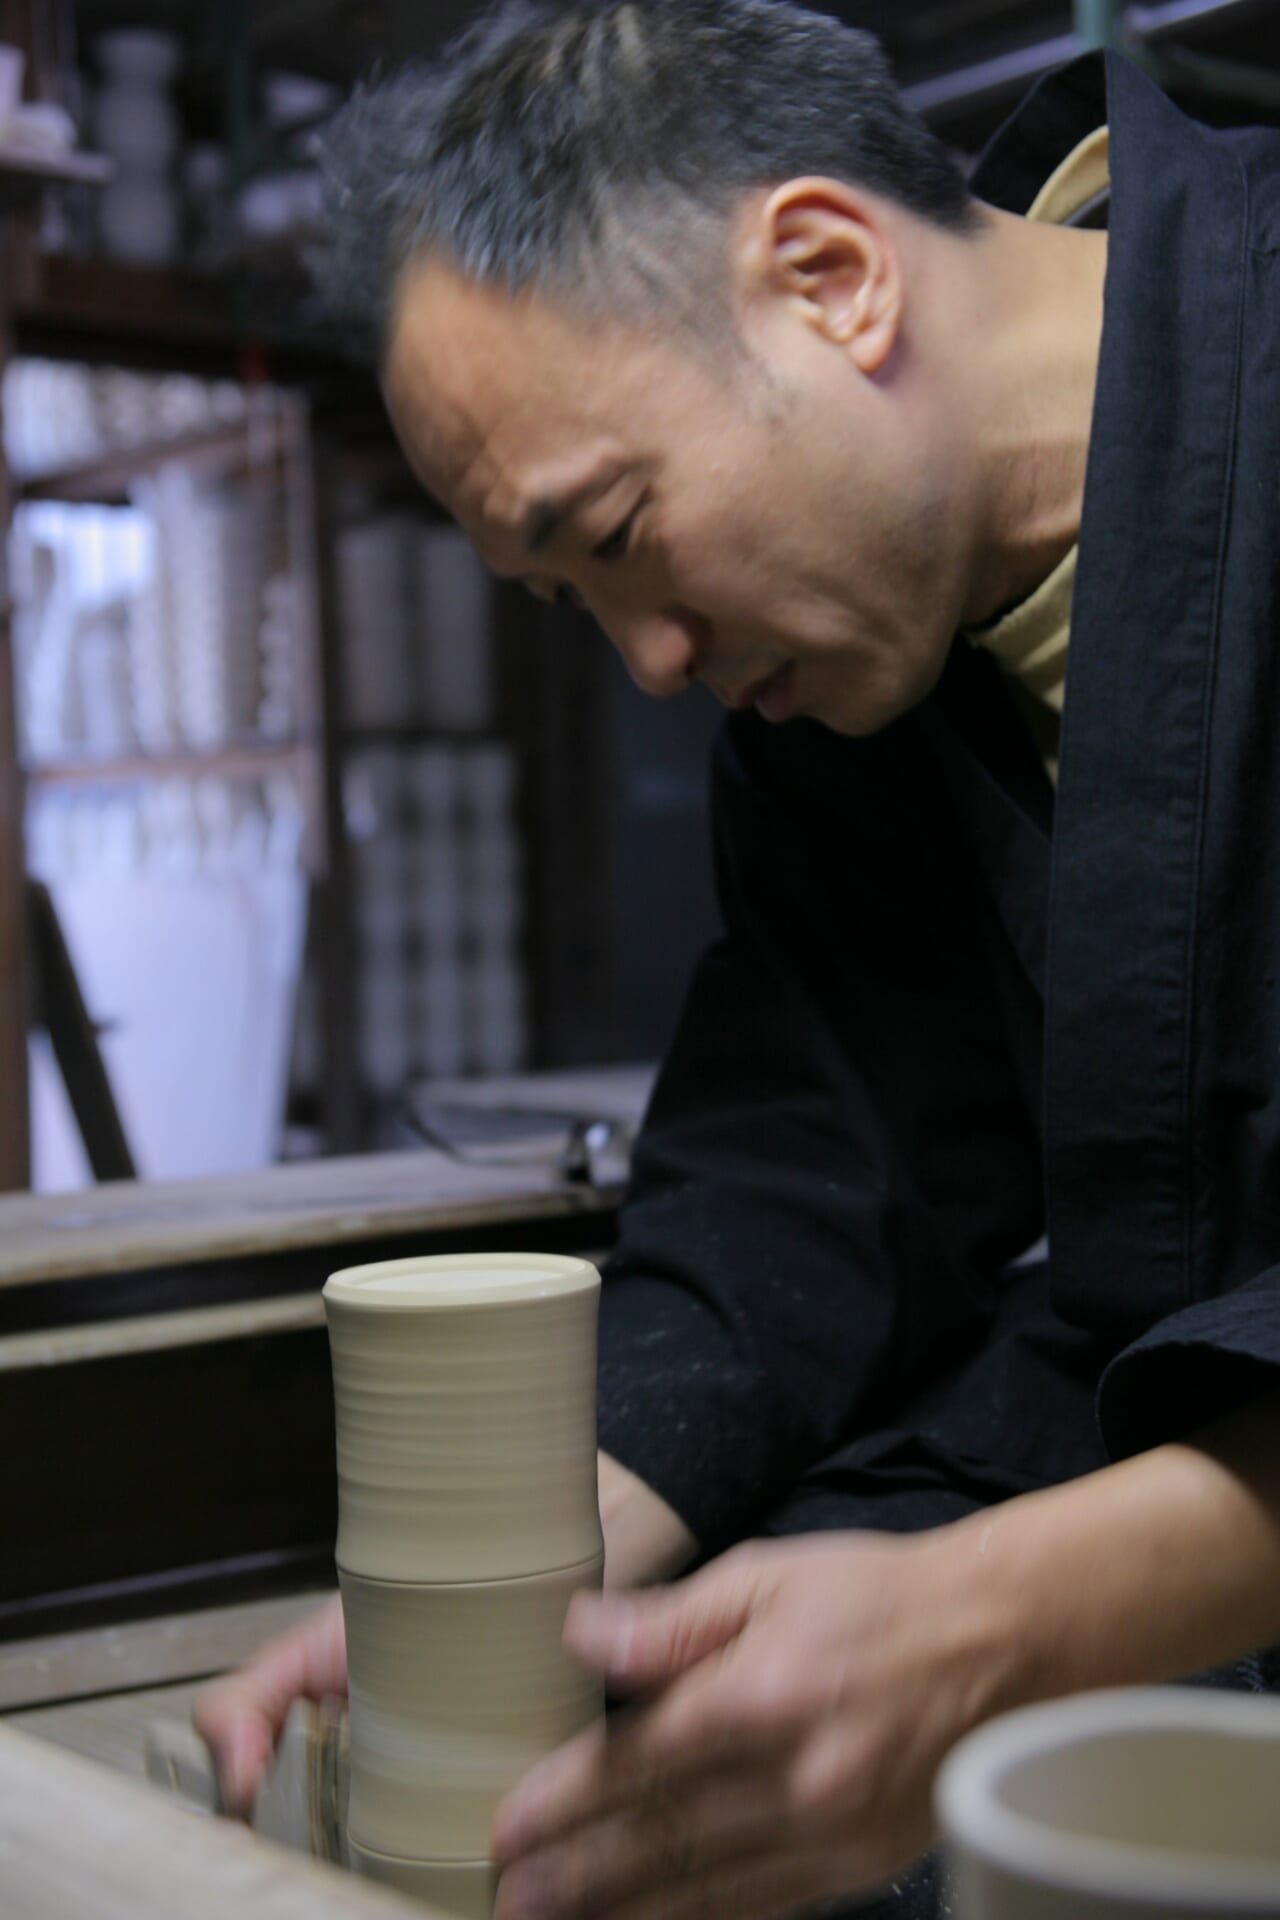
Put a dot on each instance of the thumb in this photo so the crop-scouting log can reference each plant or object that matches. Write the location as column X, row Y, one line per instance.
column 642, row 1640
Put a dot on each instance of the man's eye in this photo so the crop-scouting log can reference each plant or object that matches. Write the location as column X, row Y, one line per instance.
column 616, row 545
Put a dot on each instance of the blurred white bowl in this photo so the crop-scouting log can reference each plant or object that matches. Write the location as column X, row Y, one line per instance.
column 1157, row 1803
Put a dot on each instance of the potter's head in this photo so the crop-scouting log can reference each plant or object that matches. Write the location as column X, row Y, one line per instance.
column 659, row 294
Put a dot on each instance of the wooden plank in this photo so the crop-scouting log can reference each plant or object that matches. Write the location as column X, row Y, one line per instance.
column 76, row 1839
column 245, row 762
column 248, row 446
column 326, row 1203
column 25, row 172
column 187, row 1647
column 105, row 297
column 156, row 1332
column 591, row 1093
column 159, row 1478
column 111, row 1729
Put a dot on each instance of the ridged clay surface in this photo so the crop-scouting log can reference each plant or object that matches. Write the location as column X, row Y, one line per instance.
column 455, row 1692
column 464, row 1390
column 464, row 1889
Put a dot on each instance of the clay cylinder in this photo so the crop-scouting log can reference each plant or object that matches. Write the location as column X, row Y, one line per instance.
column 455, row 1693
column 465, row 1395
column 464, row 1392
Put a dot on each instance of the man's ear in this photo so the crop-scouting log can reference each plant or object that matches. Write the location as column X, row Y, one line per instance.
column 821, row 246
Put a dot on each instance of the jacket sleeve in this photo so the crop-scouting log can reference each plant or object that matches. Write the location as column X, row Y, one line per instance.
column 1193, row 1367
column 836, row 1163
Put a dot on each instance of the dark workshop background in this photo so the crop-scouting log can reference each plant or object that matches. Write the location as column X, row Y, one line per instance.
column 299, row 817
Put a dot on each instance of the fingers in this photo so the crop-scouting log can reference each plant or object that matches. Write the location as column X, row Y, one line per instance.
column 614, row 1859
column 241, row 1716
column 641, row 1640
column 748, row 1884
column 706, row 1719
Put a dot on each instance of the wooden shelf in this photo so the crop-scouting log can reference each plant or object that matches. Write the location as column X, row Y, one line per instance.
column 25, row 174
column 171, row 318
column 248, row 445
column 244, row 762
column 101, row 302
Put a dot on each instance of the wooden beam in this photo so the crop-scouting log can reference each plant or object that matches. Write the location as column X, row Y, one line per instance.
column 60, row 1667
column 15, row 1118
column 77, row 1839
column 330, row 1206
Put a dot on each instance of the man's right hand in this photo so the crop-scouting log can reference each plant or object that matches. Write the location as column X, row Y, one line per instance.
column 241, row 1716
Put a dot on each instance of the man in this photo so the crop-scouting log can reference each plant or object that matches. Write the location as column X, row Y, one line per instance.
column 681, row 314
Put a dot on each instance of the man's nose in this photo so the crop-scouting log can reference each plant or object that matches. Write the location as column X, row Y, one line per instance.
column 659, row 650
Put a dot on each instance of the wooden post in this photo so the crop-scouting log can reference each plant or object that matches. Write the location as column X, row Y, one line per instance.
column 15, row 1117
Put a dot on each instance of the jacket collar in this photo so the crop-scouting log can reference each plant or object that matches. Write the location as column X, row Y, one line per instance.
column 1050, row 122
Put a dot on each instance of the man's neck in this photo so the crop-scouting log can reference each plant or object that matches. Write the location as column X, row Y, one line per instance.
column 1034, row 325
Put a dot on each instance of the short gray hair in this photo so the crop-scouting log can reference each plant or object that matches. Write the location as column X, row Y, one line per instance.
column 576, row 149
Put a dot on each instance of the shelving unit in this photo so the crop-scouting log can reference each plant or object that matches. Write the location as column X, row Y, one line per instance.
column 270, row 447
column 589, row 766
column 24, row 175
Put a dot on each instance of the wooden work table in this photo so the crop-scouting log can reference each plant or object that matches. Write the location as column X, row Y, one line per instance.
column 167, row 1476
column 317, row 1207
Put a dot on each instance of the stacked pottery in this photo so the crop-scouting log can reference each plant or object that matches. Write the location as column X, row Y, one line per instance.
column 136, row 122
column 465, row 1398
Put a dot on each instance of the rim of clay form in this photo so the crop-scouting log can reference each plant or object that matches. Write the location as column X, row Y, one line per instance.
column 977, row 1821
column 482, row 1865
column 442, row 1281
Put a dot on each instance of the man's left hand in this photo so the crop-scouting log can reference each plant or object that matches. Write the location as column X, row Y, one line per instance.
column 795, row 1702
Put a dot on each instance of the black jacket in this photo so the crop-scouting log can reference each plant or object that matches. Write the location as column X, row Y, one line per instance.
column 950, row 1011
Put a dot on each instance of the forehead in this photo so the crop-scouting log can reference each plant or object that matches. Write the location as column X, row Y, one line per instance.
column 498, row 399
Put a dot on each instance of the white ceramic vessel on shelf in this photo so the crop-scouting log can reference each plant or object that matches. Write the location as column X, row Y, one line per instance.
column 1142, row 1804
column 138, row 126
column 145, row 55
column 140, row 222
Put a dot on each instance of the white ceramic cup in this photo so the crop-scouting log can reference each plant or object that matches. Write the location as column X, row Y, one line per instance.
column 1136, row 1804
column 465, row 1396
column 456, row 1692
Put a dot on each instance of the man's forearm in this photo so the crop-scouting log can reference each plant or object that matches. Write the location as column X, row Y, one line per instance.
column 1146, row 1571
column 644, row 1540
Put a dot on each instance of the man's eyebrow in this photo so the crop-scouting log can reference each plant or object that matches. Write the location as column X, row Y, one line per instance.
column 546, row 516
